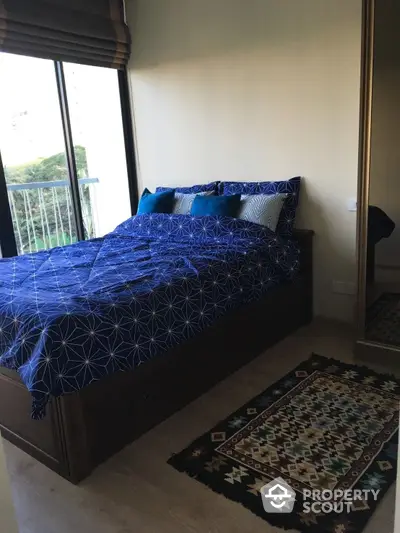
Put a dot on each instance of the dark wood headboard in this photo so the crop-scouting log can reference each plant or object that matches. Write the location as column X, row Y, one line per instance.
column 305, row 239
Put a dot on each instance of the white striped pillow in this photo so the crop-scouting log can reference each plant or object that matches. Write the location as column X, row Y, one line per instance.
column 263, row 209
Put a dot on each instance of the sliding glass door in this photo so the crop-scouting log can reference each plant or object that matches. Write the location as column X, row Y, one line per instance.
column 95, row 111
column 62, row 145
column 33, row 153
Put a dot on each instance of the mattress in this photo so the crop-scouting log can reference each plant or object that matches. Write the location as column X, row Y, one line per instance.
column 73, row 315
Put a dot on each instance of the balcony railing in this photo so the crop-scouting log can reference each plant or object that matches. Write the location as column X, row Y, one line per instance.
column 42, row 213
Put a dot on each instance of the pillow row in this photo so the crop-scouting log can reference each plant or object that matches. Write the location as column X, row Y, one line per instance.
column 260, row 208
column 272, row 204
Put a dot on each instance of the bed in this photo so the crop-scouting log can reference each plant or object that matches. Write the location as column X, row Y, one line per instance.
column 103, row 339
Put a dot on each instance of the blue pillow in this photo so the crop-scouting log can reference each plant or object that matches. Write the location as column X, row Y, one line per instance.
column 290, row 187
column 194, row 189
column 216, row 205
column 157, row 202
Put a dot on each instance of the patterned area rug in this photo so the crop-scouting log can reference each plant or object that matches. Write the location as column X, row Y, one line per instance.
column 324, row 426
column 383, row 319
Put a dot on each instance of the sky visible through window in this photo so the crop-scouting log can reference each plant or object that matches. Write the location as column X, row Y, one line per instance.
column 30, row 119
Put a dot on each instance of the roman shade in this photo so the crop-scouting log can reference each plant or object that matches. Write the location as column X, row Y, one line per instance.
column 80, row 31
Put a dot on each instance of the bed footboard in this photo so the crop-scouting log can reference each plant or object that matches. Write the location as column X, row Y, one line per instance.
column 40, row 439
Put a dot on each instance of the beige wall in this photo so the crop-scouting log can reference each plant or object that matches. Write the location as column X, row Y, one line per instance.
column 385, row 155
column 255, row 90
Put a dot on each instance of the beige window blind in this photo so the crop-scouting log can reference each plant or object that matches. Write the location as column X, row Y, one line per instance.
column 80, row 31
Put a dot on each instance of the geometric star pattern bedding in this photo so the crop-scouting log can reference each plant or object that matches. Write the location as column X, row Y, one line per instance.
column 75, row 314
column 326, row 425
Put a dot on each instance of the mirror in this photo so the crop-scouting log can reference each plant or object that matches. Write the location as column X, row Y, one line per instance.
column 379, row 180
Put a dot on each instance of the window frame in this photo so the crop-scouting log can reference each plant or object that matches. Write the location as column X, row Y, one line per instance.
column 8, row 245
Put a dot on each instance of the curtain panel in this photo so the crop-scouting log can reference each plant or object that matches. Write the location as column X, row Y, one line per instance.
column 93, row 32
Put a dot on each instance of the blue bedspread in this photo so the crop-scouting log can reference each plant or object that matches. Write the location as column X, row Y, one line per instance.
column 75, row 314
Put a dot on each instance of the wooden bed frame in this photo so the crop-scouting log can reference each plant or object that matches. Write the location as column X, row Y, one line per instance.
column 83, row 429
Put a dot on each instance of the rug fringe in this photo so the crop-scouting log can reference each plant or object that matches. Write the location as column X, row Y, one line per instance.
column 365, row 368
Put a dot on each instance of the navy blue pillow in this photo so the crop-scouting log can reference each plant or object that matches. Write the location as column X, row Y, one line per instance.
column 194, row 189
column 216, row 205
column 290, row 187
column 157, row 202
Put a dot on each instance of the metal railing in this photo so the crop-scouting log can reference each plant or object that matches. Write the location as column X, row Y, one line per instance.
column 42, row 213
